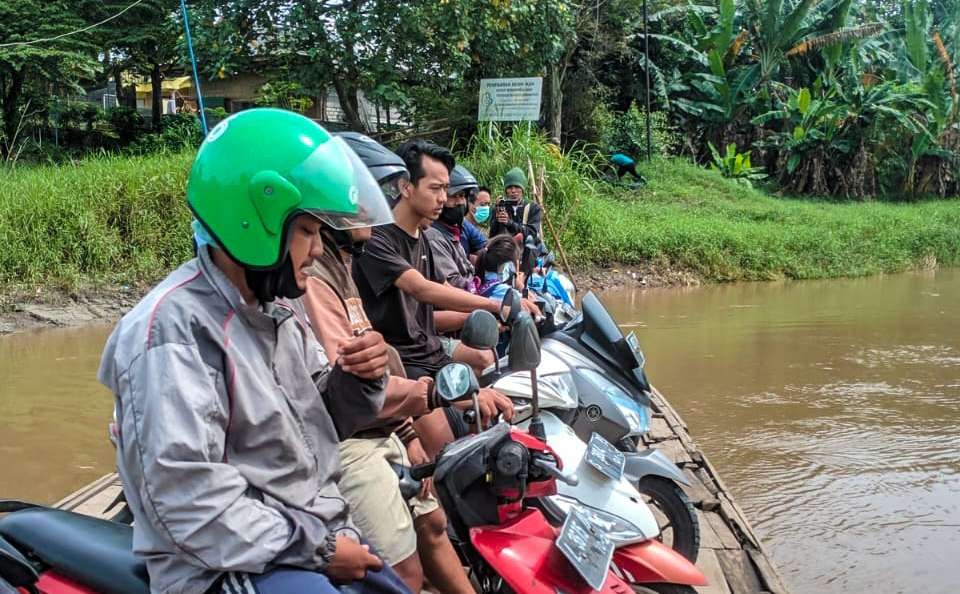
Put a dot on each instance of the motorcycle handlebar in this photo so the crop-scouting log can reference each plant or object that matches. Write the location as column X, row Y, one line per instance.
column 555, row 472
column 422, row 471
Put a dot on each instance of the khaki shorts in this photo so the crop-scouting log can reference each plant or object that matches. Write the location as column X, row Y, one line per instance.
column 371, row 488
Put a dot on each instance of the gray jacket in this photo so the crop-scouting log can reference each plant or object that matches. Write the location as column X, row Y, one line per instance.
column 229, row 420
column 451, row 261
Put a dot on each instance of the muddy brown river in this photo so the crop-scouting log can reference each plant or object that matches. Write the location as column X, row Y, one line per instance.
column 831, row 409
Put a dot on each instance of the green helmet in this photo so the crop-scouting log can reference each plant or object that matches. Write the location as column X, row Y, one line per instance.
column 260, row 168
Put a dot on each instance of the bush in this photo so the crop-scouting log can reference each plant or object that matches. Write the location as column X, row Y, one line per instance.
column 113, row 219
column 570, row 174
column 127, row 122
column 178, row 132
column 627, row 132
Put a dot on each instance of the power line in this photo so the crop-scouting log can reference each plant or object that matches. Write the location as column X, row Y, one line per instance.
column 87, row 28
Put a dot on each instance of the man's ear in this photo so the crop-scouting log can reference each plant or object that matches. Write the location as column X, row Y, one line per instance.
column 406, row 188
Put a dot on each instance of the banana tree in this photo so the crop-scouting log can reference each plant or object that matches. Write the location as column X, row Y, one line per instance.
column 931, row 37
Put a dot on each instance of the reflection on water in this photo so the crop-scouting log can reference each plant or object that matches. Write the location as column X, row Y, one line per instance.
column 832, row 410
column 53, row 413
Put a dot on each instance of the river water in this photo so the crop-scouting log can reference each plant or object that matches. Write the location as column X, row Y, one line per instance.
column 831, row 409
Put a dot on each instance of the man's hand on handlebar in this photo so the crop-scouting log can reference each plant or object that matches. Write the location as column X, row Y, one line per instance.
column 531, row 308
column 491, row 403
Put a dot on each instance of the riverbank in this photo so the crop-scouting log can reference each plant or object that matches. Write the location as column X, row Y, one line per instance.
column 90, row 237
column 24, row 309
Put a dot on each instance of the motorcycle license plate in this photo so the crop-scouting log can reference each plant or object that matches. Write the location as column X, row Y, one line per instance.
column 583, row 541
column 604, row 457
column 634, row 343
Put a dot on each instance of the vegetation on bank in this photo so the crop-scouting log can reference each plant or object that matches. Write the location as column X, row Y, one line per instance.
column 124, row 219
column 110, row 219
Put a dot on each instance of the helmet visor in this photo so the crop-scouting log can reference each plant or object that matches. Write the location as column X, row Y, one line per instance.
column 365, row 204
column 391, row 186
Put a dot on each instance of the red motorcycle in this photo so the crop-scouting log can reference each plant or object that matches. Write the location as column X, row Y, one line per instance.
column 492, row 485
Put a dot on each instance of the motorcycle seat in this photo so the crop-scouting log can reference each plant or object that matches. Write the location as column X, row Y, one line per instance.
column 96, row 553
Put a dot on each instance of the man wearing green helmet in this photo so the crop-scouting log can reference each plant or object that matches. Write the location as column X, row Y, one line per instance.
column 229, row 413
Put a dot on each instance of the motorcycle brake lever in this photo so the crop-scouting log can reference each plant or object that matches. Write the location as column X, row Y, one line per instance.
column 571, row 479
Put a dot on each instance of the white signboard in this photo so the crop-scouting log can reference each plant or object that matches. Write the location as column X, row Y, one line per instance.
column 510, row 99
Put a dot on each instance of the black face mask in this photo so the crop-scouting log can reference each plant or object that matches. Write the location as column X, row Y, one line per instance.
column 279, row 282
column 453, row 216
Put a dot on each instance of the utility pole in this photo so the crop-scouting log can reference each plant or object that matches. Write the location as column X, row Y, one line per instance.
column 646, row 52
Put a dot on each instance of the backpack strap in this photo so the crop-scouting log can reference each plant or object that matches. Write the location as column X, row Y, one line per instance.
column 526, row 212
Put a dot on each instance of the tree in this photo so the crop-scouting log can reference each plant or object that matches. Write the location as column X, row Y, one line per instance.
column 30, row 74
column 144, row 38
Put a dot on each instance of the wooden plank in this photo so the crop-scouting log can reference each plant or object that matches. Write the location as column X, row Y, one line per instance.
column 706, row 480
column 708, row 536
column 740, row 572
column 768, row 572
column 707, row 563
column 659, row 430
column 79, row 496
column 699, row 495
column 97, row 505
column 727, row 538
column 674, row 450
column 733, row 515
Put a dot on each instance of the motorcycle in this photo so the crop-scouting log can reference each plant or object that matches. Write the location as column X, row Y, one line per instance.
column 546, row 279
column 592, row 378
column 500, row 488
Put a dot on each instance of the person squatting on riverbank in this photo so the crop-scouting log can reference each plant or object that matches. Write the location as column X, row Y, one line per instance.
column 230, row 415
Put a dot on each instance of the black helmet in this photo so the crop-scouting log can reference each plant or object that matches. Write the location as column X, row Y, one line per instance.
column 385, row 165
column 462, row 180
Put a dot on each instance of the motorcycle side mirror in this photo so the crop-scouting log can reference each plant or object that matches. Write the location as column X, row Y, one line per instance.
column 480, row 331
column 507, row 271
column 510, row 306
column 456, row 382
column 524, row 350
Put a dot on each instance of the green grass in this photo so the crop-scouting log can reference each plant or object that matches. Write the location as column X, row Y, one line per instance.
column 696, row 219
column 124, row 219
column 111, row 219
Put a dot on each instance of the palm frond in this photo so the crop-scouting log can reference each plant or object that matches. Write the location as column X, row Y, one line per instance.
column 682, row 9
column 836, row 37
column 691, row 51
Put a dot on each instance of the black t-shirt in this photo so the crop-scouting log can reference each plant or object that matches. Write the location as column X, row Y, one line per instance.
column 406, row 324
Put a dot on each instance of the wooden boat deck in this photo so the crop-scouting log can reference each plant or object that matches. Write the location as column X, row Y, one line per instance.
column 731, row 555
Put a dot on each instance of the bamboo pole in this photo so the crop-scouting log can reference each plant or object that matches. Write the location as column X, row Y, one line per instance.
column 537, row 185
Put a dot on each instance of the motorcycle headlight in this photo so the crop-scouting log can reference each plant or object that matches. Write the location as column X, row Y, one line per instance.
column 557, row 390
column 617, row 529
column 637, row 418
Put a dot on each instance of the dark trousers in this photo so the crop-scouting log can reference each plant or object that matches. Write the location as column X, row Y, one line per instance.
column 631, row 169
column 289, row 580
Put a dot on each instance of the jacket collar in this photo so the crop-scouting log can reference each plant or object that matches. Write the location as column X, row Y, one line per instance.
column 265, row 315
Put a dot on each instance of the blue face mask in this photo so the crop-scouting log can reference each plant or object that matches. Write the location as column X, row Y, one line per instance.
column 483, row 214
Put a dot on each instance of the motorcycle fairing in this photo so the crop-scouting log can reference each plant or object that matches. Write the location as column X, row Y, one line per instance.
column 51, row 582
column 525, row 555
column 651, row 561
